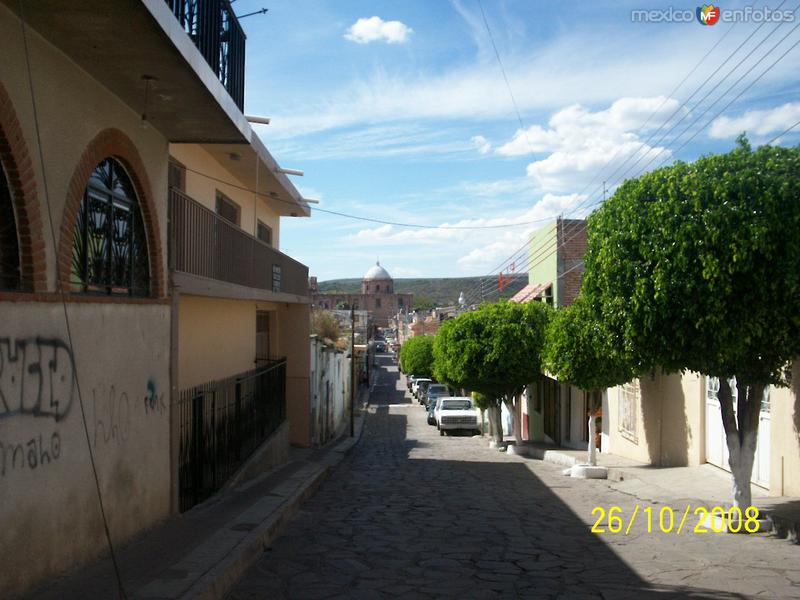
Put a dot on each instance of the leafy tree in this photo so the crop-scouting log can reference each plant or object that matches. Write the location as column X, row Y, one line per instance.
column 325, row 325
column 494, row 350
column 416, row 356
column 697, row 266
column 578, row 349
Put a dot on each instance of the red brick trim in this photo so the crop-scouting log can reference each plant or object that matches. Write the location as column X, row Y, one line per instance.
column 111, row 142
column 18, row 167
column 79, row 298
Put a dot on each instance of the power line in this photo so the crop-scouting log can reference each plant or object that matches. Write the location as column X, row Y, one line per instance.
column 369, row 219
column 60, row 289
column 715, row 87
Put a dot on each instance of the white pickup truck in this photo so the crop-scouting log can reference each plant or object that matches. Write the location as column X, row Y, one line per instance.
column 456, row 413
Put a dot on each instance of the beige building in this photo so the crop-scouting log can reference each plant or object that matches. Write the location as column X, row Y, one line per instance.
column 674, row 420
column 129, row 289
column 377, row 296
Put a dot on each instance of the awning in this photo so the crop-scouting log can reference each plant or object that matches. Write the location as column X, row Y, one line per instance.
column 530, row 292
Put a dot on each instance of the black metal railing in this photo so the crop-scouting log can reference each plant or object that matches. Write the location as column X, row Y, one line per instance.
column 213, row 27
column 203, row 243
column 221, row 425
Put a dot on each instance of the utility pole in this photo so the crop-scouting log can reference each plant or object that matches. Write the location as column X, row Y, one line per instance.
column 352, row 368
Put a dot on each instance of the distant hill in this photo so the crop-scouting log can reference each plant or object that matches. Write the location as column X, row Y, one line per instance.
column 432, row 292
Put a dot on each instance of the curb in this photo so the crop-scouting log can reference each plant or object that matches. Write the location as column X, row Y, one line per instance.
column 217, row 582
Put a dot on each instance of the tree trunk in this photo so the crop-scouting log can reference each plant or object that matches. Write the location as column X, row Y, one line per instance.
column 512, row 405
column 741, row 437
column 497, row 426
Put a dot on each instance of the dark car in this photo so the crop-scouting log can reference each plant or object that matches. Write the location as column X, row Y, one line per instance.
column 431, row 407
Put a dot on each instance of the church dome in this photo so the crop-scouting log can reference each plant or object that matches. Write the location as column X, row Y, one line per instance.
column 377, row 272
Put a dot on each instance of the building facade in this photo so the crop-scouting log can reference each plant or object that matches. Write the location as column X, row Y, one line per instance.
column 124, row 278
column 377, row 296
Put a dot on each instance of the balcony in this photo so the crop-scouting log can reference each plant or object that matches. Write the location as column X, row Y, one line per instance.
column 215, row 30
column 204, row 245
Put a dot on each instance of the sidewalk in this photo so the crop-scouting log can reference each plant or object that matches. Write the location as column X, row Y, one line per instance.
column 201, row 553
column 703, row 485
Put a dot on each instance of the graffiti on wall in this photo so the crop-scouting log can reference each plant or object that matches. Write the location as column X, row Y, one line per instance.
column 37, row 377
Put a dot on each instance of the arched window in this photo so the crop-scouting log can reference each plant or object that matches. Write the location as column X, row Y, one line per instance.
column 109, row 250
column 9, row 242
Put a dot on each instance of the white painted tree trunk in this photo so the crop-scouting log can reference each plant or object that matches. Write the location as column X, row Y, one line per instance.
column 741, row 435
column 592, row 449
column 495, row 421
column 512, row 407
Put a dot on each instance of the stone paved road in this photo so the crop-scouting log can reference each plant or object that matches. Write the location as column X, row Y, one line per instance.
column 411, row 514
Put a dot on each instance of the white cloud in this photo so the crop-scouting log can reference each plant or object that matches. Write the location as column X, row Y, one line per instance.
column 581, row 142
column 481, row 143
column 375, row 29
column 472, row 250
column 758, row 122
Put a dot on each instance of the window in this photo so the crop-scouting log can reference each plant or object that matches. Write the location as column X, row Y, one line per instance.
column 262, row 336
column 628, row 402
column 264, row 233
column 177, row 175
column 227, row 208
column 9, row 244
column 109, row 250
column 378, row 288
column 377, row 302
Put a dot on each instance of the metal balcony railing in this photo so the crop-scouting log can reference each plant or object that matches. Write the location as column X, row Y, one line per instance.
column 203, row 243
column 213, row 27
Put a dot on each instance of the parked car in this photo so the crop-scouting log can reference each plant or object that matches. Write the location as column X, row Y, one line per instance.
column 457, row 413
column 431, row 418
column 421, row 386
column 380, row 347
column 434, row 391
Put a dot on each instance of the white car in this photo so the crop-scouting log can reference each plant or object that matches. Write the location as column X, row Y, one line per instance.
column 421, row 381
column 456, row 413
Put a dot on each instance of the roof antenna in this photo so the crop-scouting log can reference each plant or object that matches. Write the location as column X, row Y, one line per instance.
column 263, row 11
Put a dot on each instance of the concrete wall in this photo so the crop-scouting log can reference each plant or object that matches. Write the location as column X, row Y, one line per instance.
column 216, row 338
column 204, row 189
column 329, row 391
column 543, row 258
column 119, row 353
column 48, row 501
column 785, row 442
column 293, row 330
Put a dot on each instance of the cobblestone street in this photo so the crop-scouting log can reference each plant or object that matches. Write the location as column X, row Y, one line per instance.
column 410, row 514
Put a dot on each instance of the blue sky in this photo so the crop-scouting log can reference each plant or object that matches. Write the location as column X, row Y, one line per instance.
column 406, row 116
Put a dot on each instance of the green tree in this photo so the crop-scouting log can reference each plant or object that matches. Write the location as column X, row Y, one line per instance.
column 697, row 266
column 423, row 302
column 494, row 350
column 580, row 350
column 416, row 356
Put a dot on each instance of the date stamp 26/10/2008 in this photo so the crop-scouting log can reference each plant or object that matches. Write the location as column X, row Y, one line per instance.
column 669, row 520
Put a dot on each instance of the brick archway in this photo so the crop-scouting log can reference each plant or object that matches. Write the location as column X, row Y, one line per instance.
column 18, row 168
column 111, row 143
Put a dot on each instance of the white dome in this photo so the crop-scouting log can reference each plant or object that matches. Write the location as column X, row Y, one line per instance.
column 377, row 272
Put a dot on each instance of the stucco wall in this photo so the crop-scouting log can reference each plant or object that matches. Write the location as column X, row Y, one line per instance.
column 204, row 190
column 293, row 330
column 48, row 502
column 544, row 261
column 785, row 442
column 72, row 109
column 216, row 338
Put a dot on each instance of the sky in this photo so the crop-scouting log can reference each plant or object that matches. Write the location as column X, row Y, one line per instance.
column 400, row 111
